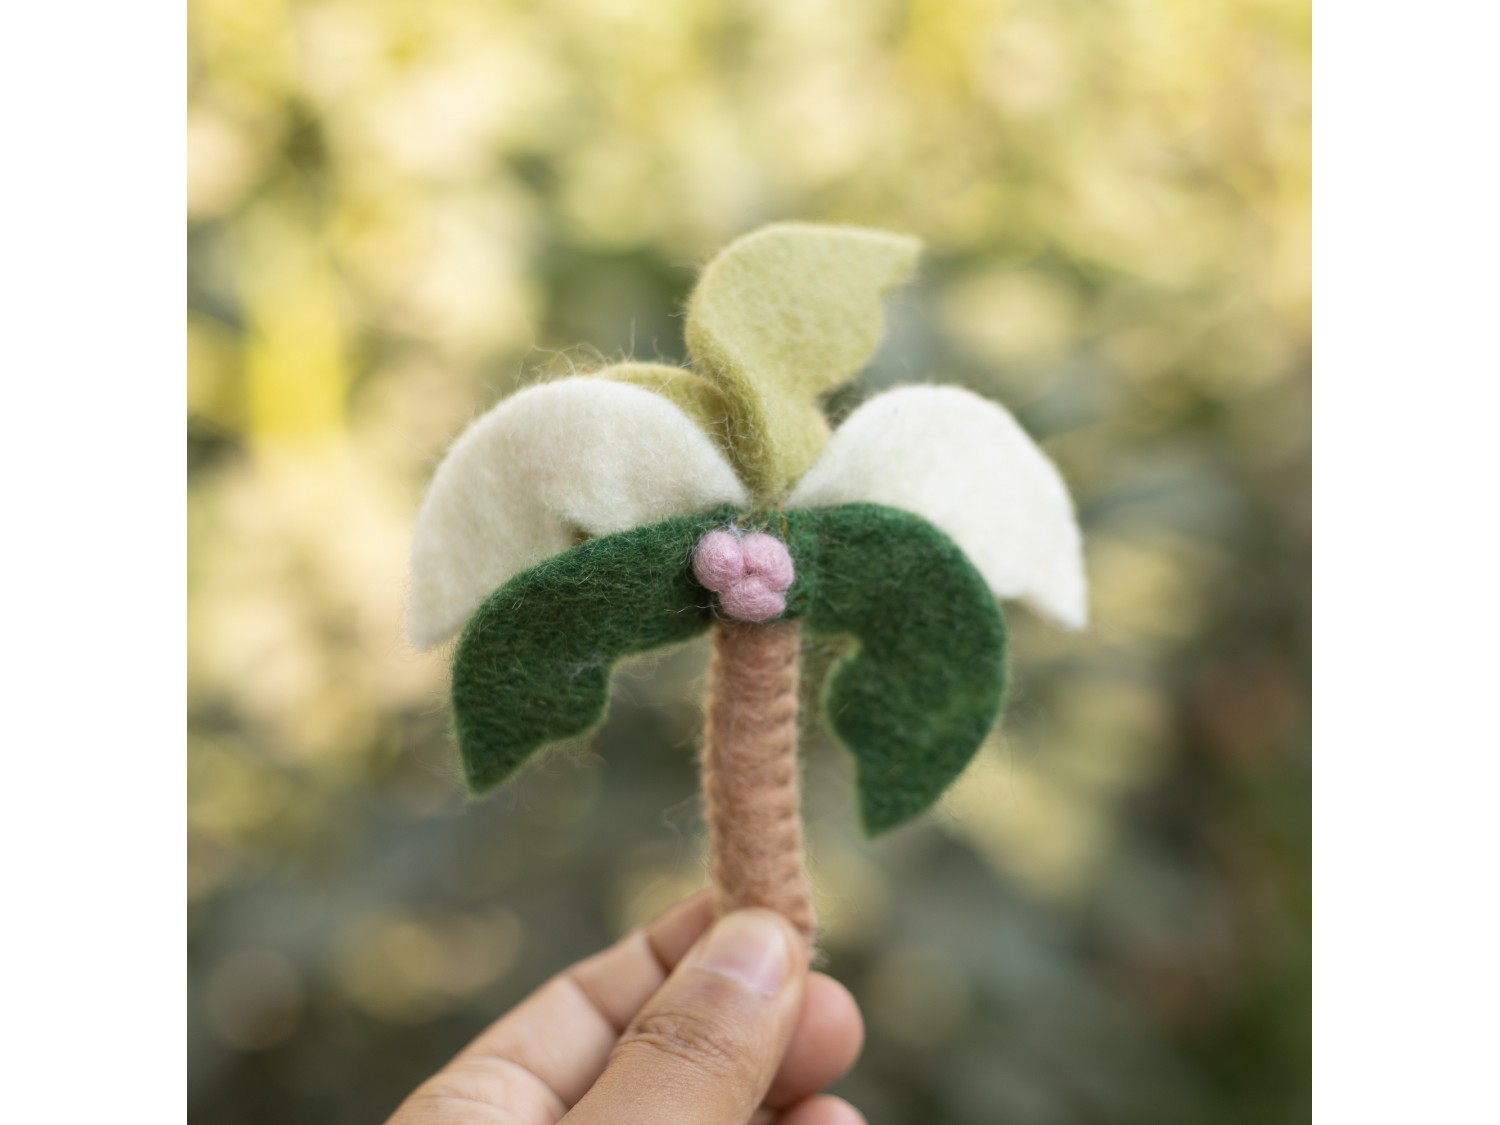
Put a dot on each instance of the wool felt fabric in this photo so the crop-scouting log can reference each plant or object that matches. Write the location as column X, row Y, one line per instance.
column 533, row 665
column 750, row 777
column 750, row 573
column 697, row 397
column 922, row 688
column 965, row 464
column 551, row 464
column 780, row 318
column 927, row 681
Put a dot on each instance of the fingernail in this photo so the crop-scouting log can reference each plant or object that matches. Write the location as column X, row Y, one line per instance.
column 750, row 947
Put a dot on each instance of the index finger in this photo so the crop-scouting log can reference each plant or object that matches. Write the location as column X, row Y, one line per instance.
column 540, row 1058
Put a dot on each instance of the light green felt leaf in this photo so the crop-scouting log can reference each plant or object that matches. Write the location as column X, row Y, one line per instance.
column 697, row 397
column 534, row 663
column 780, row 318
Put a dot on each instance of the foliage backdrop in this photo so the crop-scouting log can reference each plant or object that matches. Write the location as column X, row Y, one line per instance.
column 401, row 210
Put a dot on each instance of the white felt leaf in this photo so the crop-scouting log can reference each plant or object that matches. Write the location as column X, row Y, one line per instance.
column 963, row 463
column 581, row 456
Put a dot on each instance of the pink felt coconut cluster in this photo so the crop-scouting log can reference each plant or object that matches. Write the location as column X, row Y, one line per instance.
column 750, row 573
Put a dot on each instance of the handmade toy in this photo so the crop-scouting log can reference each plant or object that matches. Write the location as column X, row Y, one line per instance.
column 583, row 520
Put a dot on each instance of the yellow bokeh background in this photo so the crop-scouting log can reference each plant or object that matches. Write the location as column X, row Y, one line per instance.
column 401, row 211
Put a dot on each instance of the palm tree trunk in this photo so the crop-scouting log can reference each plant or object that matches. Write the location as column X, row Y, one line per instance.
column 750, row 768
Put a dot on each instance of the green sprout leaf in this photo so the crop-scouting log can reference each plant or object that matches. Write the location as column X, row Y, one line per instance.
column 780, row 318
column 697, row 397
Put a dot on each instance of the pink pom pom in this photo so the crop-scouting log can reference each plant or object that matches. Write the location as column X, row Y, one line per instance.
column 751, row 599
column 718, row 560
column 767, row 557
column 750, row 575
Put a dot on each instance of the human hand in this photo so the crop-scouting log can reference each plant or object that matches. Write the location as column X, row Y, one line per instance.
column 676, row 1024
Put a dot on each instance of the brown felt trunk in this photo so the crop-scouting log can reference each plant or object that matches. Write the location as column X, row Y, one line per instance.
column 750, row 782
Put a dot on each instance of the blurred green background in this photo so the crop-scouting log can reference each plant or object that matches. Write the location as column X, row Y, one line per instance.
column 401, row 210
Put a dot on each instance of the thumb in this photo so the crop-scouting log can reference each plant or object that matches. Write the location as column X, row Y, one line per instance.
column 704, row 1049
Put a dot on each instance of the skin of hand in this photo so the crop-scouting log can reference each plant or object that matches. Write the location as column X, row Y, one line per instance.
column 684, row 1022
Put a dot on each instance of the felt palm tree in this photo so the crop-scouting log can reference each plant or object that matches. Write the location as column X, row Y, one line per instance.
column 583, row 520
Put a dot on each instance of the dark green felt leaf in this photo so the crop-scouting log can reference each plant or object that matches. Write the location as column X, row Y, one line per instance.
column 927, row 682
column 913, row 702
column 533, row 666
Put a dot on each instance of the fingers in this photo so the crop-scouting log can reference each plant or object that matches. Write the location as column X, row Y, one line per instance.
column 825, row 1110
column 628, row 973
column 825, row 1045
column 537, row 1061
column 706, row 1047
column 533, row 1064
